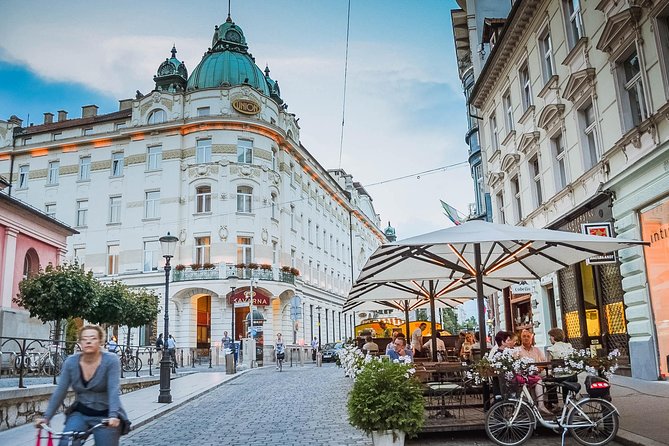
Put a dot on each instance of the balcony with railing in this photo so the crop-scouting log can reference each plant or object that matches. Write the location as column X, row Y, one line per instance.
column 182, row 273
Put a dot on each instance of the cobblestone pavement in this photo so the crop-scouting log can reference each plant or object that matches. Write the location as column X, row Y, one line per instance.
column 299, row 406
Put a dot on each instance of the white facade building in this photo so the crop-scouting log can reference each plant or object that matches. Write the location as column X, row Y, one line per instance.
column 574, row 105
column 215, row 159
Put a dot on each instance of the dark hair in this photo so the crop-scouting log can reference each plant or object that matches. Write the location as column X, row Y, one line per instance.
column 401, row 335
column 368, row 338
column 501, row 336
column 477, row 336
column 557, row 333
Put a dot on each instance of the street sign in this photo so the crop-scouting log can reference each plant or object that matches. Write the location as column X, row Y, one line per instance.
column 522, row 288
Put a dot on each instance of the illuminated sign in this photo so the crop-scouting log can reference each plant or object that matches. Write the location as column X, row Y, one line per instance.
column 246, row 106
column 241, row 297
column 601, row 230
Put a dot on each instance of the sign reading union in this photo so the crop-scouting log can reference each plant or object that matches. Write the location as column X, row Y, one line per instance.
column 241, row 296
column 246, row 106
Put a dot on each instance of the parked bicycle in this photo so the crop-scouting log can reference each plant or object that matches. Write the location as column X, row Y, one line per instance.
column 48, row 362
column 74, row 438
column 591, row 421
column 130, row 363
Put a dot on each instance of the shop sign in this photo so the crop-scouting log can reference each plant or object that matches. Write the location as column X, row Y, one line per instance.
column 522, row 288
column 602, row 230
column 246, row 106
column 241, row 298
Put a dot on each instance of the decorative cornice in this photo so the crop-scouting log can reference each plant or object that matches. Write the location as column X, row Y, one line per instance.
column 579, row 83
column 509, row 136
column 618, row 29
column 509, row 161
column 581, row 45
column 549, row 115
column 527, row 141
column 552, row 83
column 495, row 178
column 529, row 112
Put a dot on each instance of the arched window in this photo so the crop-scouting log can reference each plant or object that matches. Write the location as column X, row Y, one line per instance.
column 244, row 199
column 203, row 199
column 273, row 206
column 157, row 116
column 30, row 264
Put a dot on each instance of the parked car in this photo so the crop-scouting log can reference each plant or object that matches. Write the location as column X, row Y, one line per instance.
column 331, row 351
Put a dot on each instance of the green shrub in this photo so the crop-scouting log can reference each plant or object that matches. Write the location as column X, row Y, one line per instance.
column 385, row 397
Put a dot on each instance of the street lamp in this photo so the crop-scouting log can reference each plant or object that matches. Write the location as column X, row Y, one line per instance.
column 168, row 244
column 318, row 308
column 232, row 280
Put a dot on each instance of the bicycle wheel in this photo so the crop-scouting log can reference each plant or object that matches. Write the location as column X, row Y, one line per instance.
column 128, row 364
column 504, row 432
column 595, row 411
column 138, row 365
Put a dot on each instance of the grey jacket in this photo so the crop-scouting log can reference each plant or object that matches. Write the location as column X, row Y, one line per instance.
column 103, row 389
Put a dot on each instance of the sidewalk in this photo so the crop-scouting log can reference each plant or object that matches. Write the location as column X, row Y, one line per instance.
column 644, row 410
column 141, row 405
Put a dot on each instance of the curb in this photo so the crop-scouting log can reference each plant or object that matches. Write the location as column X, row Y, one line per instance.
column 631, row 439
column 173, row 406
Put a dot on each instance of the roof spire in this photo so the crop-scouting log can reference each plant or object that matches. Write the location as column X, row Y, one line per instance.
column 229, row 19
column 266, row 70
column 174, row 50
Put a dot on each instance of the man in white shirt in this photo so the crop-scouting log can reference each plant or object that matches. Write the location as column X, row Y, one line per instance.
column 417, row 339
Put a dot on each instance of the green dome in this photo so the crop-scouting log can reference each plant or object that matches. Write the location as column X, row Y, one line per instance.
column 228, row 63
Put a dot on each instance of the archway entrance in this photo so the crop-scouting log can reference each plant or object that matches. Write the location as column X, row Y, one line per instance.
column 203, row 318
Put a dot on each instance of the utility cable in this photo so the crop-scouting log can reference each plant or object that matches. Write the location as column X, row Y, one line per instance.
column 343, row 111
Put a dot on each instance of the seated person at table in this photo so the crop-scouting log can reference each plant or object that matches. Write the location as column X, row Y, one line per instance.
column 477, row 343
column 466, row 349
column 401, row 350
column 391, row 344
column 527, row 349
column 370, row 346
column 559, row 349
column 441, row 348
column 504, row 340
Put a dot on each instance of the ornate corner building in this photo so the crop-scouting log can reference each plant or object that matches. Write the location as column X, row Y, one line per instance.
column 215, row 158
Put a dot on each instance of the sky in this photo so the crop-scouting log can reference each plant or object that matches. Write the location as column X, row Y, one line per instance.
column 404, row 107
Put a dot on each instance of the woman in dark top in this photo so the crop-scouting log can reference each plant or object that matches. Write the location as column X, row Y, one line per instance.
column 94, row 375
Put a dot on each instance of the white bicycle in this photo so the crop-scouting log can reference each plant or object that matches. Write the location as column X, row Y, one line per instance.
column 75, row 438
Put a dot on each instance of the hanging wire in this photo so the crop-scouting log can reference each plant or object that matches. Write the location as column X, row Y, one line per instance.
column 419, row 174
column 343, row 109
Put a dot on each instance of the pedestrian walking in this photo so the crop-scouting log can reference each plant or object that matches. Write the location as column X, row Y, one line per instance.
column 94, row 375
column 280, row 349
column 226, row 341
column 172, row 351
column 112, row 345
column 314, row 349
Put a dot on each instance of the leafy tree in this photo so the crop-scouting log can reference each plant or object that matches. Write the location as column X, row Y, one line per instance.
column 450, row 319
column 57, row 293
column 421, row 314
column 470, row 323
column 110, row 303
column 141, row 309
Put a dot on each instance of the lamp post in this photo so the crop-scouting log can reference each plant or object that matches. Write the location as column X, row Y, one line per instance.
column 318, row 308
column 232, row 280
column 251, row 335
column 168, row 244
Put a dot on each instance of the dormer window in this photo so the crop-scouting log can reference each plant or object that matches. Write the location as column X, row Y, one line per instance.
column 157, row 117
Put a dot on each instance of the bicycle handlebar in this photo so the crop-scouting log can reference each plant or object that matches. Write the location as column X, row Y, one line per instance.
column 74, row 434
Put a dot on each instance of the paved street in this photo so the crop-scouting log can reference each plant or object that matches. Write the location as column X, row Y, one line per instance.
column 300, row 406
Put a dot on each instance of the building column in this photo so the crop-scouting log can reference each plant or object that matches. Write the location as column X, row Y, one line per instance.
column 9, row 267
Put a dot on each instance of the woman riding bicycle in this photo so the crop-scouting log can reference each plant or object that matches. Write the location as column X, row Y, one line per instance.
column 280, row 350
column 94, row 375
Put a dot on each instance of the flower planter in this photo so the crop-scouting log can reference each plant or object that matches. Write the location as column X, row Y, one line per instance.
column 388, row 438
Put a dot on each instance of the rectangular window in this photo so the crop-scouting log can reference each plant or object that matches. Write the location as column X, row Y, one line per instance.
column 547, row 65
column 494, row 132
column 203, row 111
column 244, row 199
column 526, row 87
column 152, row 204
column 535, row 171
column 112, row 259
column 310, row 235
column 56, row 136
column 117, row 164
column 202, row 199
column 152, row 255
column 52, row 176
column 273, row 207
column 50, row 210
column 154, row 157
column 82, row 213
column 275, row 252
column 480, row 188
column 203, row 151
column 88, row 131
column 120, row 125
column 244, row 151
column 662, row 26
column 84, row 168
column 515, row 190
column 572, row 12
column 244, row 249
column 292, row 217
column 559, row 154
column 274, row 159
column 24, row 173
column 114, row 210
column 631, row 87
column 500, row 207
column 508, row 111
column 292, row 258
column 202, row 250
column 80, row 255
column 318, row 239
column 589, row 136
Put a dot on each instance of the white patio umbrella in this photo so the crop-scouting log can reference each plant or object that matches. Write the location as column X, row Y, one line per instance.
column 482, row 252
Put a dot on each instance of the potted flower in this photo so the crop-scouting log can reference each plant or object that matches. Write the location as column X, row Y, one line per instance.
column 195, row 266
column 180, row 267
column 240, row 265
column 295, row 272
column 265, row 267
column 253, row 265
column 387, row 401
column 285, row 269
column 208, row 265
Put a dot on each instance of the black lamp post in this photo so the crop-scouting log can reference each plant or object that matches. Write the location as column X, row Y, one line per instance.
column 232, row 280
column 168, row 244
column 318, row 308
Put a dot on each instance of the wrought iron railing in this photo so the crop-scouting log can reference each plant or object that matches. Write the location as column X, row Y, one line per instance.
column 223, row 271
